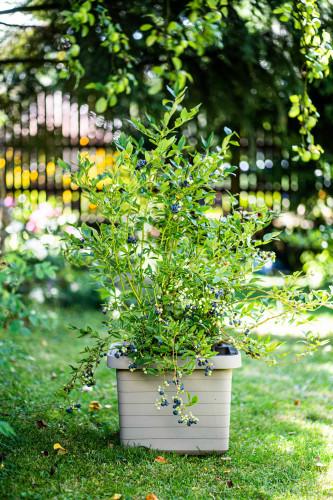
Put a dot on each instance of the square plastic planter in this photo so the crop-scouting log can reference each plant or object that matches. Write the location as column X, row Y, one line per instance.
column 142, row 424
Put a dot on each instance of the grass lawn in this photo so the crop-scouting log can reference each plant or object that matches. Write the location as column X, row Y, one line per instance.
column 281, row 432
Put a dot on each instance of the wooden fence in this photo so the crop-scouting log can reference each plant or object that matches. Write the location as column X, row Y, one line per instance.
column 55, row 126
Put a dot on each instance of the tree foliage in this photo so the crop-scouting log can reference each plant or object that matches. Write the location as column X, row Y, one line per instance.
column 124, row 57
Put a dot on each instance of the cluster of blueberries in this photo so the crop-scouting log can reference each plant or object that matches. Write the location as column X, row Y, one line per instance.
column 187, row 182
column 209, row 370
column 175, row 207
column 71, row 408
column 190, row 309
column 189, row 422
column 158, row 310
column 125, row 349
column 131, row 239
column 88, row 376
column 218, row 293
column 215, row 310
column 203, row 362
column 234, row 322
column 140, row 164
column 176, row 404
column 208, row 366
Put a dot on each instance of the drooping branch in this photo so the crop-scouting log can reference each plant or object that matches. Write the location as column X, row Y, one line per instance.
column 22, row 26
column 30, row 8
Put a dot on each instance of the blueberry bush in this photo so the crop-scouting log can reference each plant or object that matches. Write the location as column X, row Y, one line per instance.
column 176, row 282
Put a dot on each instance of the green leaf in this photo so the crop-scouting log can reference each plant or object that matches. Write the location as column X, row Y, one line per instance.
column 151, row 40
column 6, row 429
column 63, row 164
column 146, row 27
column 101, row 105
column 271, row 236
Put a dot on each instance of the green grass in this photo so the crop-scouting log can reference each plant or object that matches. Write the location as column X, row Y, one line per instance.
column 279, row 449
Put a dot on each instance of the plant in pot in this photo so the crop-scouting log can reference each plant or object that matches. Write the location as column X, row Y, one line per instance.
column 180, row 295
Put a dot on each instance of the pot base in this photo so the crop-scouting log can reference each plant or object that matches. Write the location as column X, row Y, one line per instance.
column 142, row 424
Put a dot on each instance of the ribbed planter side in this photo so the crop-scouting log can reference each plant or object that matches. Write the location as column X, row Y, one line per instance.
column 142, row 424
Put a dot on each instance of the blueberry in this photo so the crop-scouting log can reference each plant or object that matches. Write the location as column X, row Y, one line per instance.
column 161, row 392
column 175, row 208
column 140, row 164
column 131, row 239
column 181, row 387
column 69, row 409
column 132, row 366
column 117, row 355
column 175, row 412
column 77, row 405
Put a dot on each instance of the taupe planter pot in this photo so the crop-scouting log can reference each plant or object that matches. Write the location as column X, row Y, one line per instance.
column 142, row 424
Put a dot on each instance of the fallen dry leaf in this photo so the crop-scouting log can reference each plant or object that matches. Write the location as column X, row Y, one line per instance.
column 297, row 402
column 40, row 424
column 116, row 496
column 229, row 483
column 151, row 496
column 110, row 445
column 161, row 460
column 59, row 449
column 94, row 406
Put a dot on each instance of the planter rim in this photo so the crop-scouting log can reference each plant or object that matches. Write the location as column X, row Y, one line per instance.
column 220, row 362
